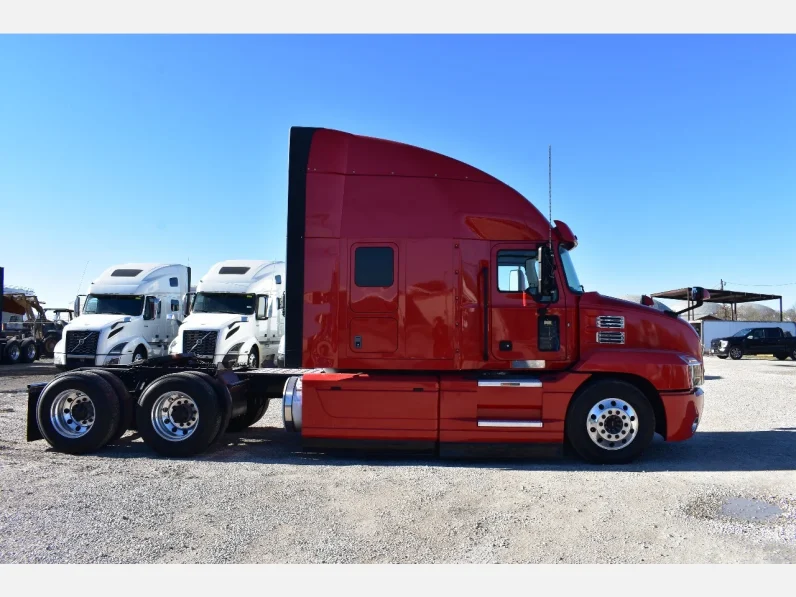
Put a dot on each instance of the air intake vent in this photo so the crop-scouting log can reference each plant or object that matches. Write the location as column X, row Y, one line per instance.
column 611, row 337
column 611, row 321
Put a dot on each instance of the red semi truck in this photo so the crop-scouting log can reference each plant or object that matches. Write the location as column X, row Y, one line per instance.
column 428, row 307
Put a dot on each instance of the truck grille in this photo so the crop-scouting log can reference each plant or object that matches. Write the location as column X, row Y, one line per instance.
column 203, row 343
column 82, row 343
column 715, row 343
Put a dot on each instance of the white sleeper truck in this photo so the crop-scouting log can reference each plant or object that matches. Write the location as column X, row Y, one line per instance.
column 131, row 313
column 237, row 317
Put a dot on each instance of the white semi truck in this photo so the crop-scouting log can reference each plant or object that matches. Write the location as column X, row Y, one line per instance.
column 237, row 317
column 131, row 313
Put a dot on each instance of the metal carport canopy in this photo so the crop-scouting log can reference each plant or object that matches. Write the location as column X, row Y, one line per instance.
column 732, row 297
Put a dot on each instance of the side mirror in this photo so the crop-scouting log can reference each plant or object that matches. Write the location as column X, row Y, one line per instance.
column 189, row 299
column 262, row 307
column 278, row 278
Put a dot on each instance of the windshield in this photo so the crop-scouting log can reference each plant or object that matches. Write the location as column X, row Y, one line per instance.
column 116, row 304
column 743, row 332
column 569, row 270
column 224, row 302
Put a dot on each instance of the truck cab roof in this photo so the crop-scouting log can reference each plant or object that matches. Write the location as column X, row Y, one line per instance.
column 241, row 276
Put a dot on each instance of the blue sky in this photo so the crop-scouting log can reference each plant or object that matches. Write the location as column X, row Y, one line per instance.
column 674, row 157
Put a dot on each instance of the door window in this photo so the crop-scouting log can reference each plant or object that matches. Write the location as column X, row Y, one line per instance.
column 759, row 334
column 518, row 271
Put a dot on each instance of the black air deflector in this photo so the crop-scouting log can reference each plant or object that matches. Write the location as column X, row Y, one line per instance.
column 300, row 144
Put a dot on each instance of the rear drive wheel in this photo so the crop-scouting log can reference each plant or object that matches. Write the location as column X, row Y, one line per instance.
column 223, row 399
column 736, row 353
column 781, row 356
column 126, row 404
column 254, row 412
column 28, row 350
column 179, row 415
column 13, row 353
column 610, row 422
column 77, row 412
column 793, row 354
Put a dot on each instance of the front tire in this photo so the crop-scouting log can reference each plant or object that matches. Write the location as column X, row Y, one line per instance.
column 722, row 356
column 736, row 353
column 179, row 415
column 77, row 413
column 781, row 356
column 139, row 355
column 610, row 422
column 253, row 360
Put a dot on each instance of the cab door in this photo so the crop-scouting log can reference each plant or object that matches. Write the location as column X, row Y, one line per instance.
column 527, row 330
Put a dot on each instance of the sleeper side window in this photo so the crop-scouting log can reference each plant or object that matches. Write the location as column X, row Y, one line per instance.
column 374, row 267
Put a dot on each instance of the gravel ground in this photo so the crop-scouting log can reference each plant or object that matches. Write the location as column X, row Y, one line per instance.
column 728, row 495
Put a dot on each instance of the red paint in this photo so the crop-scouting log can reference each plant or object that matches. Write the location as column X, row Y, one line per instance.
column 445, row 222
column 681, row 410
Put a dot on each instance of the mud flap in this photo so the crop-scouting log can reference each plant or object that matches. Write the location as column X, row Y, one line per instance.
column 34, row 391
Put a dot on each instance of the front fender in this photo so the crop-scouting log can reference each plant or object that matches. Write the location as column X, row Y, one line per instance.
column 665, row 370
column 132, row 345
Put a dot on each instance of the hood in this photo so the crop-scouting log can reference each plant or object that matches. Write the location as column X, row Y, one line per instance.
column 644, row 327
column 93, row 322
column 211, row 321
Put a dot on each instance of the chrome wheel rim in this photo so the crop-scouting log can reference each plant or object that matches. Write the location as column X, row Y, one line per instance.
column 175, row 416
column 612, row 424
column 72, row 414
column 735, row 352
column 32, row 351
column 137, row 358
column 13, row 352
column 252, row 359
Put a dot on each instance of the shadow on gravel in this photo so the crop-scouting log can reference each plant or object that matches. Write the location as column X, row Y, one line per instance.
column 708, row 451
column 26, row 370
column 712, row 377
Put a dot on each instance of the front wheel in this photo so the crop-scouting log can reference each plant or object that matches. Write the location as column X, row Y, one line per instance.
column 793, row 354
column 781, row 356
column 736, row 353
column 253, row 361
column 610, row 422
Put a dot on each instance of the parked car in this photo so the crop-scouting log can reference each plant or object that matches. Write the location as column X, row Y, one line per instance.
column 753, row 341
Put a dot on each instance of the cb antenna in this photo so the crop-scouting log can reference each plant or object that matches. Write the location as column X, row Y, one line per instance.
column 80, row 285
column 550, row 191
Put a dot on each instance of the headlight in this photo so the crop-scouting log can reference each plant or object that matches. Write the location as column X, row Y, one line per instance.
column 723, row 343
column 173, row 345
column 114, row 354
column 696, row 371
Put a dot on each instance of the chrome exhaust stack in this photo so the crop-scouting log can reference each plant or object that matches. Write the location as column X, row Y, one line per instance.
column 291, row 404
